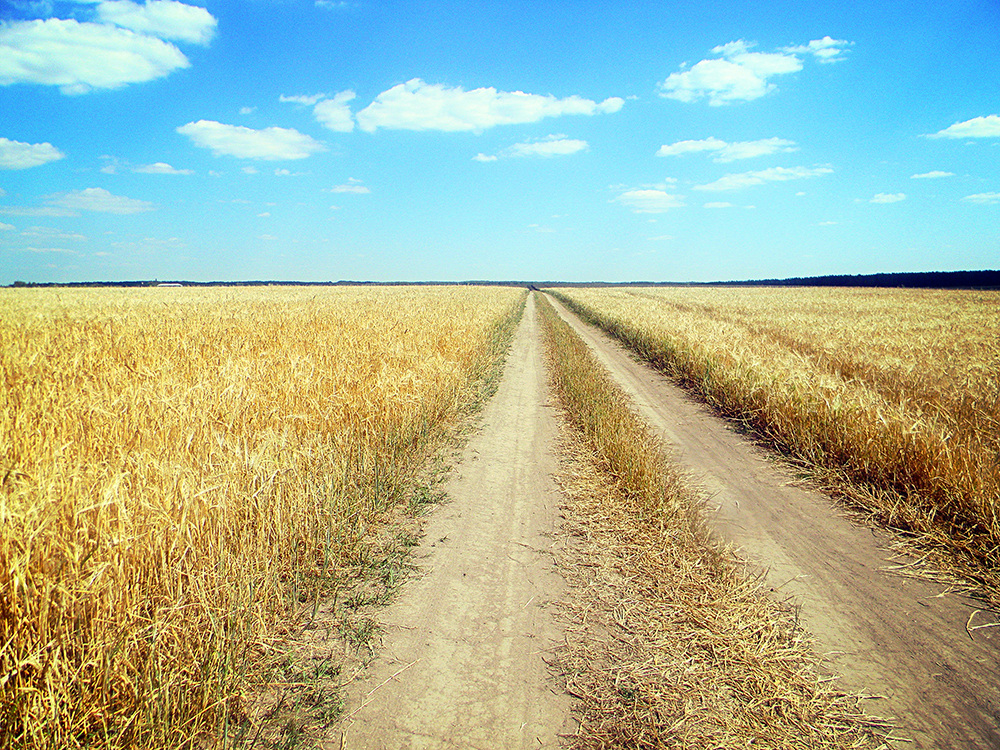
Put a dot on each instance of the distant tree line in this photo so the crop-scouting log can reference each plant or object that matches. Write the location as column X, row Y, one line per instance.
column 920, row 280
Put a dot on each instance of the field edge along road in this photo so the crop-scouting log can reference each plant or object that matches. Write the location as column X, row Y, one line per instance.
column 463, row 657
column 887, row 635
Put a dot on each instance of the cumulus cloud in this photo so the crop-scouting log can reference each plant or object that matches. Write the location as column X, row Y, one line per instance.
column 738, row 75
column 98, row 200
column 269, row 144
column 936, row 174
column 166, row 19
column 983, row 198
column 335, row 113
column 726, row 152
column 649, row 201
column 79, row 57
column 977, row 127
column 122, row 42
column 741, row 75
column 888, row 198
column 161, row 168
column 774, row 174
column 18, row 155
column 554, row 145
column 825, row 50
column 416, row 105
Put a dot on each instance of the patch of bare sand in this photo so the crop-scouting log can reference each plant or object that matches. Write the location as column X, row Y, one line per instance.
column 463, row 657
column 911, row 641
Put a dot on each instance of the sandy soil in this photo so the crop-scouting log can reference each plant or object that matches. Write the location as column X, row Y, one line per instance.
column 887, row 635
column 462, row 663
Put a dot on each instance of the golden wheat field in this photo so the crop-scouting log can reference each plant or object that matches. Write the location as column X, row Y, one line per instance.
column 894, row 395
column 179, row 464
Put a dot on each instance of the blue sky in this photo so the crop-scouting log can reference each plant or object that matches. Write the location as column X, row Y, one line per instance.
column 321, row 140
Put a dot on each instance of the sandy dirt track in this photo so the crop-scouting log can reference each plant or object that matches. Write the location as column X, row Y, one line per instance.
column 887, row 635
column 462, row 663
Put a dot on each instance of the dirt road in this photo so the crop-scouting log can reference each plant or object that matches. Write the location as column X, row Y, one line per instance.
column 887, row 635
column 462, row 663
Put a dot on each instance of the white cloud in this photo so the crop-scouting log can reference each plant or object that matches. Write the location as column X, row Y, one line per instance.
column 983, row 198
column 6, row 227
column 553, row 145
column 888, row 198
column 269, row 144
column 726, row 152
column 739, row 75
column 263, row 215
column 50, row 250
column 52, row 234
column 18, row 155
column 825, row 50
column 99, row 200
column 309, row 100
column 650, row 201
column 691, row 147
column 166, row 19
column 931, row 175
column 416, row 105
column 335, row 114
column 161, row 168
column 351, row 186
column 36, row 211
column 977, row 127
column 249, row 170
column 826, row 224
column 79, row 57
column 247, row 110
column 718, row 204
column 774, row 174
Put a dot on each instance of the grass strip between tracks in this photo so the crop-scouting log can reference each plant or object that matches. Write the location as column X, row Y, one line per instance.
column 670, row 642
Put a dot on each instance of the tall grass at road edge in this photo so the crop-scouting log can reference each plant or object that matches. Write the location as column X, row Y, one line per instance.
column 915, row 457
column 182, row 470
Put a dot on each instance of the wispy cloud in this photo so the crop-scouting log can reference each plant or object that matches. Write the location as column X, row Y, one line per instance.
column 416, row 105
column 983, row 198
column 888, row 198
column 825, row 50
column 650, row 201
column 931, row 175
column 351, row 186
column 726, row 152
column 553, row 145
column 98, row 200
column 774, row 174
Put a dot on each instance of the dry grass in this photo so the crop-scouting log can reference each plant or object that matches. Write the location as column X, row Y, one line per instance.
column 890, row 396
column 670, row 643
column 180, row 468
